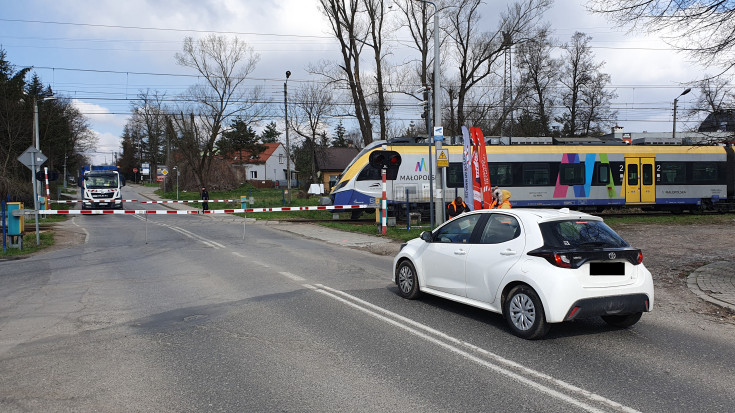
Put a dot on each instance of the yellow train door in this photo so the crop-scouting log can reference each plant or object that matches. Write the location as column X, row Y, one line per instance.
column 640, row 182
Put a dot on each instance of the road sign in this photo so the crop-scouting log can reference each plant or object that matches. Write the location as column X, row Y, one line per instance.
column 442, row 158
column 164, row 171
column 27, row 157
column 135, row 170
column 438, row 133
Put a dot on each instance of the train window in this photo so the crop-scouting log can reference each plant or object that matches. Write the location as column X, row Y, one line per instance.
column 536, row 174
column 571, row 174
column 603, row 173
column 704, row 172
column 500, row 174
column 672, row 173
column 370, row 173
column 647, row 174
column 455, row 175
column 633, row 174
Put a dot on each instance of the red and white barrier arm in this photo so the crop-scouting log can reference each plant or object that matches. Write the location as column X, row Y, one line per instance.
column 189, row 201
column 195, row 211
column 93, row 200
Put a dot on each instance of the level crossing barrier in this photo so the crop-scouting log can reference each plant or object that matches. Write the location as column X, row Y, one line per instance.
column 195, row 211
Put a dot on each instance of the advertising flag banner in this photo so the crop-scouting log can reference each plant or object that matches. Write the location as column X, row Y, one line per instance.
column 487, row 192
column 476, row 175
column 467, row 167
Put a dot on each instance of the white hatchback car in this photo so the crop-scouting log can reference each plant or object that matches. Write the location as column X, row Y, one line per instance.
column 534, row 266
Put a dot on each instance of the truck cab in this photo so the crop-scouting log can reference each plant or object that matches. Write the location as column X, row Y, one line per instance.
column 102, row 188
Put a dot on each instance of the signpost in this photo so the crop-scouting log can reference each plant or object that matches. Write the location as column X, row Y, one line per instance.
column 438, row 139
column 33, row 158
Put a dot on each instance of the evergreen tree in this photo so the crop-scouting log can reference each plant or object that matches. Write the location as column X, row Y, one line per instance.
column 340, row 139
column 270, row 134
column 240, row 137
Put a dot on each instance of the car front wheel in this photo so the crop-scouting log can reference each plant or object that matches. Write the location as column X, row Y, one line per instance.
column 524, row 313
column 622, row 321
column 408, row 283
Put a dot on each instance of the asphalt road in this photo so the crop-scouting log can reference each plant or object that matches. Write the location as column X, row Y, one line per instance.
column 204, row 313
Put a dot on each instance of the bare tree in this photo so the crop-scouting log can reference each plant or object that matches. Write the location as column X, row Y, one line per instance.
column 703, row 28
column 224, row 65
column 150, row 113
column 716, row 98
column 416, row 15
column 595, row 113
column 351, row 32
column 312, row 105
column 476, row 52
column 540, row 74
column 577, row 72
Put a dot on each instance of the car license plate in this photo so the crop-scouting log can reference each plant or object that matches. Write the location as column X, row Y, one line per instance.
column 607, row 268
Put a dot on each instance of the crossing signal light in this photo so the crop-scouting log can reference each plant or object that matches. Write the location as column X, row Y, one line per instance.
column 52, row 175
column 388, row 160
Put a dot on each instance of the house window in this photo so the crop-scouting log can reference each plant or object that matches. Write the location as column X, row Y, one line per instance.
column 280, row 158
column 253, row 174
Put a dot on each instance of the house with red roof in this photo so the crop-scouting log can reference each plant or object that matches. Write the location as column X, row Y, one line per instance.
column 266, row 169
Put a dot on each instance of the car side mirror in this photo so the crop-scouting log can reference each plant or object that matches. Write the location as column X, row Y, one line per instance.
column 426, row 236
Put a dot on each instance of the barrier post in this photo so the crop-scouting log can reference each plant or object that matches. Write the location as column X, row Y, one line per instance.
column 384, row 203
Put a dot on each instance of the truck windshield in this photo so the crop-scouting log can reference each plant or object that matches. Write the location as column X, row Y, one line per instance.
column 101, row 181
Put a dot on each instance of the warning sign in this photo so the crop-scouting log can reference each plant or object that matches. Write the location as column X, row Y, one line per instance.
column 442, row 158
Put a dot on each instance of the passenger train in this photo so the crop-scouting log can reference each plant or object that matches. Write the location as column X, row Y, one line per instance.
column 583, row 177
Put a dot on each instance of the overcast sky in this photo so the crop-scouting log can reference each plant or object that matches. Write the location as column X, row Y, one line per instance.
column 101, row 53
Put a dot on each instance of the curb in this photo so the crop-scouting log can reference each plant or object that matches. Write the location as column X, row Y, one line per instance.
column 707, row 275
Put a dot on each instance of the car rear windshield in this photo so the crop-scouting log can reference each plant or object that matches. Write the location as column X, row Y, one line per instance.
column 580, row 234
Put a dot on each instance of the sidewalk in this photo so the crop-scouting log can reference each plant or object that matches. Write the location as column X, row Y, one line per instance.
column 714, row 283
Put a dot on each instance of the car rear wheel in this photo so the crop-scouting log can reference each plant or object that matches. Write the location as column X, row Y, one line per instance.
column 622, row 321
column 408, row 283
column 524, row 313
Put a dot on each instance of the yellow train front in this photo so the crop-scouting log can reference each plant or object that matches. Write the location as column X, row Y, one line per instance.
column 583, row 177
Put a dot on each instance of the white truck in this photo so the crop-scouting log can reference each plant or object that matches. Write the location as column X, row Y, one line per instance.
column 101, row 187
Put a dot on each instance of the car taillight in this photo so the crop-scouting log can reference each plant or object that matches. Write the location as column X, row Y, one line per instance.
column 561, row 260
column 639, row 258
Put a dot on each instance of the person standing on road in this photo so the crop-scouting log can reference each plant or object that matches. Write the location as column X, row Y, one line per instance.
column 205, row 197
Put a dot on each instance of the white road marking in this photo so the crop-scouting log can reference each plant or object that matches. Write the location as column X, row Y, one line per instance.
column 292, row 276
column 524, row 374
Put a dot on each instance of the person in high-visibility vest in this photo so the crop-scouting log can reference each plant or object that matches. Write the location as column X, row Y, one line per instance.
column 456, row 207
column 505, row 204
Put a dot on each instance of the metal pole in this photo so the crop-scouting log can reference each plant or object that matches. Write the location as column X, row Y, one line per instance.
column 673, row 132
column 288, row 144
column 35, row 197
column 687, row 90
column 37, row 143
column 438, row 115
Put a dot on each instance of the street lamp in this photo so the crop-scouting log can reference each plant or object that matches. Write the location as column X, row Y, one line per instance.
column 437, row 110
column 687, row 90
column 288, row 144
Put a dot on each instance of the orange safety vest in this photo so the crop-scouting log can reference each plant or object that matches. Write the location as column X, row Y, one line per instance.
column 455, row 209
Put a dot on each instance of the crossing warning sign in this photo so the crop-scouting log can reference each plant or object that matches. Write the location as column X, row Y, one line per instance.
column 442, row 158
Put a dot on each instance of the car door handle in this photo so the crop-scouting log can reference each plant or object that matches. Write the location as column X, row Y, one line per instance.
column 460, row 252
column 508, row 252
